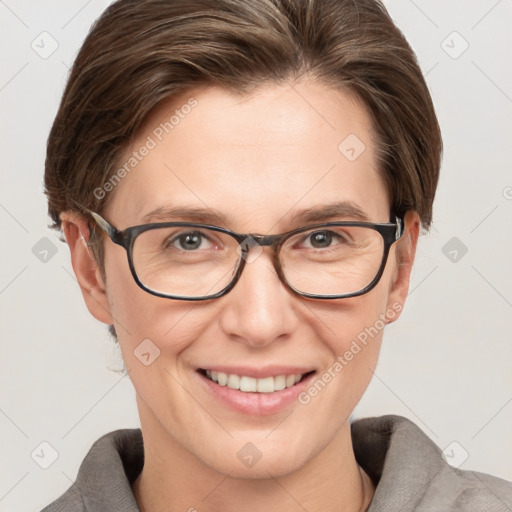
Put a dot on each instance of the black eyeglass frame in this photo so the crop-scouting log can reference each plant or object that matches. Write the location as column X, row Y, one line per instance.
column 390, row 232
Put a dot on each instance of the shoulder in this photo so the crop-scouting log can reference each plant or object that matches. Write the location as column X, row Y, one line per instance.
column 70, row 501
column 411, row 474
column 105, row 476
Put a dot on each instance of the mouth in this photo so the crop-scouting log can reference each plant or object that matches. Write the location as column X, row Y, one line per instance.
column 248, row 384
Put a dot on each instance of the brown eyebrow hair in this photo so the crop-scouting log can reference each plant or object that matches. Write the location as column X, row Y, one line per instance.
column 346, row 210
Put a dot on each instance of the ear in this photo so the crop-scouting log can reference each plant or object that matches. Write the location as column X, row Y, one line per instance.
column 87, row 272
column 404, row 258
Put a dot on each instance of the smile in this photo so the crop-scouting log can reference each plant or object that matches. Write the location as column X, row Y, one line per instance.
column 253, row 385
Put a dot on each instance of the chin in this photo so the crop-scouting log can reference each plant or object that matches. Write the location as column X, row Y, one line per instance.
column 267, row 467
column 260, row 459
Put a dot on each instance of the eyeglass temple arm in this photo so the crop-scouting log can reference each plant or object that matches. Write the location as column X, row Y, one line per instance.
column 399, row 227
column 105, row 226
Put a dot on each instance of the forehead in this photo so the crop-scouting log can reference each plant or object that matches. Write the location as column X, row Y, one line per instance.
column 257, row 159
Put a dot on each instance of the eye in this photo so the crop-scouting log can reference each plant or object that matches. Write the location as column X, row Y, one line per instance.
column 324, row 239
column 189, row 241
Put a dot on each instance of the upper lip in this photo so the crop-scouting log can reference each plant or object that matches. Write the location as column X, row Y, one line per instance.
column 259, row 372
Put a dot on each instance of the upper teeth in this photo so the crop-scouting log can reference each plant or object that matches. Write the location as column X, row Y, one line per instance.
column 250, row 384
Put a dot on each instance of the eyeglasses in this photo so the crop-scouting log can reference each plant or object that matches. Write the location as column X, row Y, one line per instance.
column 189, row 261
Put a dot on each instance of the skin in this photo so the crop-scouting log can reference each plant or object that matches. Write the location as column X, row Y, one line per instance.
column 259, row 158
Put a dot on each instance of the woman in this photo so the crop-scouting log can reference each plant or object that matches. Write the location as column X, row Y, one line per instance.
column 241, row 185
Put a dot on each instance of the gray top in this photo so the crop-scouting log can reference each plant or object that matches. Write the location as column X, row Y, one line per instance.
column 407, row 468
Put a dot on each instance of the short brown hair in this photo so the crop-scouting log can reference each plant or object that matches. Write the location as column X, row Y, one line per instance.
column 139, row 53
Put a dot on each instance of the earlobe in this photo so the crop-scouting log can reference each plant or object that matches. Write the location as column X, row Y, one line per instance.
column 87, row 271
column 404, row 255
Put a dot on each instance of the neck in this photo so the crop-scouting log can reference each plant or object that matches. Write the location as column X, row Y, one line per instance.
column 175, row 479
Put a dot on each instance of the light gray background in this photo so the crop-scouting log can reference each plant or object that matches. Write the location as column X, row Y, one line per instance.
column 445, row 364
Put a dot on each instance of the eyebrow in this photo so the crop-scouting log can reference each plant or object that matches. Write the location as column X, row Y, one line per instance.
column 188, row 214
column 343, row 210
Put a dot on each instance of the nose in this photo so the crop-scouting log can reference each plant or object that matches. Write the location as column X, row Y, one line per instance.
column 259, row 309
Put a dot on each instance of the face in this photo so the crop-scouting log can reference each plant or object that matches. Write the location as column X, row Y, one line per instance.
column 258, row 160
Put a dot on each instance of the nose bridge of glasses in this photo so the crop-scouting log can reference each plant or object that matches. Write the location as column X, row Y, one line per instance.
column 252, row 240
column 265, row 240
column 251, row 247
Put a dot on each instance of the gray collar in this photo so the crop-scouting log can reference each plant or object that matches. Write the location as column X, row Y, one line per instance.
column 407, row 468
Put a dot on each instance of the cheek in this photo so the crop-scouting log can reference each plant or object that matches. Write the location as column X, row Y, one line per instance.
column 355, row 328
column 145, row 323
column 359, row 319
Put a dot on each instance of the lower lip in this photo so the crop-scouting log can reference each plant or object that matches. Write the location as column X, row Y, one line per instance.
column 256, row 404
